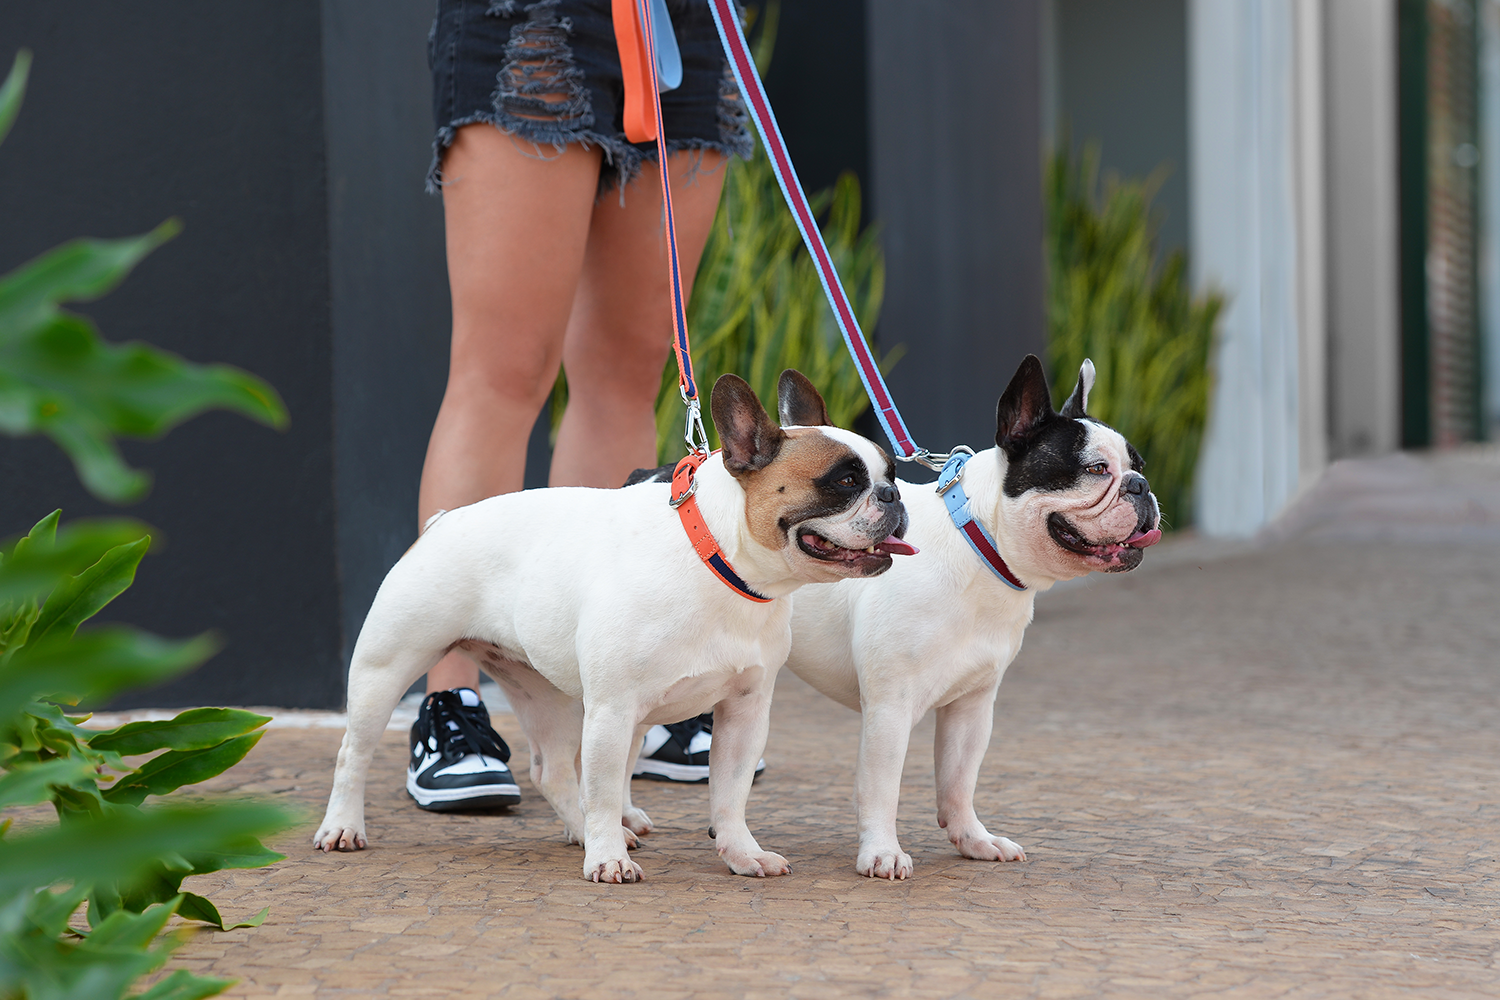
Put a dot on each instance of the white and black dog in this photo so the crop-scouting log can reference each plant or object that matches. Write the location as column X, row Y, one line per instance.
column 595, row 614
column 1061, row 495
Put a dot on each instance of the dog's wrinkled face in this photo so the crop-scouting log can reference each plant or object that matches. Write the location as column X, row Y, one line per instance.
column 1072, row 484
column 824, row 497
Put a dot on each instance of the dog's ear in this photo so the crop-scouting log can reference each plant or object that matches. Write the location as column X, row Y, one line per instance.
column 799, row 401
column 1077, row 404
column 1024, row 407
column 750, row 437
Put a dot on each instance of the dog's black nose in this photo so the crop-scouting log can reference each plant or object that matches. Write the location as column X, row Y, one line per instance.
column 1135, row 484
column 887, row 494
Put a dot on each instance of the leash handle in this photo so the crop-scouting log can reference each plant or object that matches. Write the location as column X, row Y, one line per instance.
column 748, row 78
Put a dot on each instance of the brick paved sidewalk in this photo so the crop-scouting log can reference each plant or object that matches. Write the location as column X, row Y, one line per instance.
column 1266, row 774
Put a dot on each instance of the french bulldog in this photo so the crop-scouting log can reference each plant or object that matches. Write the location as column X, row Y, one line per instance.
column 593, row 611
column 1062, row 495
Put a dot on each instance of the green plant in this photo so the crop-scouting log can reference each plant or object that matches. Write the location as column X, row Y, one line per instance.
column 758, row 305
column 1109, row 298
column 126, row 860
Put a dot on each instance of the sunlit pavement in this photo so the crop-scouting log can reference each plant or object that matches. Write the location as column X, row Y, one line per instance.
column 1256, row 770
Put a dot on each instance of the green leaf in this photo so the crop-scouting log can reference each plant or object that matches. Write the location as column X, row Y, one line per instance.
column 35, row 964
column 79, row 598
column 131, row 930
column 34, row 565
column 13, row 91
column 243, row 852
column 183, row 985
column 195, row 907
column 124, row 843
column 27, row 784
column 77, row 271
column 176, row 768
column 60, row 378
column 195, row 729
column 95, row 665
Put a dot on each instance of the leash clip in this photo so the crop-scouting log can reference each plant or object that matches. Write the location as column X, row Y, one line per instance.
column 935, row 460
column 694, row 433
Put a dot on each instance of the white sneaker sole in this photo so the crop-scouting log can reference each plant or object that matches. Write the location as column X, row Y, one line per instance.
column 471, row 797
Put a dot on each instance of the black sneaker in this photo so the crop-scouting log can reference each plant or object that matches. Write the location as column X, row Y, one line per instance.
column 457, row 760
column 678, row 751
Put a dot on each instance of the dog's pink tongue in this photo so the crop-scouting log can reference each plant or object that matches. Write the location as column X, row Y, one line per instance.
column 1143, row 539
column 894, row 546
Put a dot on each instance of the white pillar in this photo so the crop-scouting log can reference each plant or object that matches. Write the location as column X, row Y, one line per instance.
column 1255, row 121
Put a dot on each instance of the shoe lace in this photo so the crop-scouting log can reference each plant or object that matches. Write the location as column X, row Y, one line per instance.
column 474, row 734
column 684, row 731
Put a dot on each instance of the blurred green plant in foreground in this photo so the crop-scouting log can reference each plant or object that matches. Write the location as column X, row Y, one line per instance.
column 758, row 305
column 126, row 860
column 1109, row 299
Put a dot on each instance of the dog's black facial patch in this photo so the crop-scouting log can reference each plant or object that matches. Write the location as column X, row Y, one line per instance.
column 1052, row 460
column 1136, row 461
column 836, row 490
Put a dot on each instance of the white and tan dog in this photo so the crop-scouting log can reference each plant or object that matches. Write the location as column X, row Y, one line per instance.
column 592, row 610
column 1062, row 495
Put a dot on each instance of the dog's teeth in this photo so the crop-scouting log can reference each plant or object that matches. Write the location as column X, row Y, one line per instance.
column 871, row 550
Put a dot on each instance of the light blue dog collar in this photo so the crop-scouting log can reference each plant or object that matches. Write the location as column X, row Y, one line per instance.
column 950, row 488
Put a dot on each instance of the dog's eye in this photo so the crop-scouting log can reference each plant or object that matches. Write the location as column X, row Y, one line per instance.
column 1098, row 469
column 848, row 482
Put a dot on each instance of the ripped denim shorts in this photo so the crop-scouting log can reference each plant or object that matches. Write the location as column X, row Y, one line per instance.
column 548, row 73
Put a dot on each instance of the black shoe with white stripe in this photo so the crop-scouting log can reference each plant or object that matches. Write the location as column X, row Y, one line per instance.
column 678, row 751
column 457, row 759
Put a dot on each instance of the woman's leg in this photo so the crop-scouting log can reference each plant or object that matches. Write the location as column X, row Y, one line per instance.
column 517, row 229
column 620, row 331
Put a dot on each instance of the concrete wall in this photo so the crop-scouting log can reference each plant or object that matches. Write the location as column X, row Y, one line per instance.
column 1119, row 77
column 955, row 160
column 292, row 140
column 214, row 114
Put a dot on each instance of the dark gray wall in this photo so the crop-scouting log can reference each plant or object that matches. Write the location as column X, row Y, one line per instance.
column 388, row 283
column 955, row 160
column 293, row 141
column 1121, row 79
column 212, row 113
column 817, row 85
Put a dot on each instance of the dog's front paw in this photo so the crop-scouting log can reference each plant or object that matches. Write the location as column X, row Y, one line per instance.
column 984, row 846
column 334, row 836
column 615, row 870
column 636, row 821
column 756, row 864
column 892, row 863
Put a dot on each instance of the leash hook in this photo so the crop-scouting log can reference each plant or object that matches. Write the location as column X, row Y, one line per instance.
column 695, row 434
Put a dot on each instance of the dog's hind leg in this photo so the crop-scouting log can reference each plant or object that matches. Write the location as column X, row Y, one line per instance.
column 634, row 819
column 378, row 677
column 553, row 724
column 741, row 723
column 963, row 736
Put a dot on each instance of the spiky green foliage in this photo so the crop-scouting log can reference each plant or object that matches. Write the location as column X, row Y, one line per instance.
column 109, row 848
column 1111, row 298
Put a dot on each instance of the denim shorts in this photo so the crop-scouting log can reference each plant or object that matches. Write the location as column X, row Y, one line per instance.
column 548, row 73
